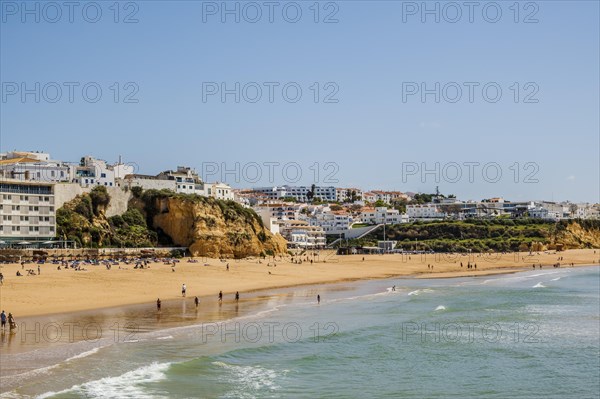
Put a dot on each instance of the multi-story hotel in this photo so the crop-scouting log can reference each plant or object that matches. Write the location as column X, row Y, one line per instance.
column 27, row 211
column 299, row 193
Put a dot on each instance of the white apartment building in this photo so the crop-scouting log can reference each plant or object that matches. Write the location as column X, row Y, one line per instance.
column 382, row 215
column 332, row 222
column 369, row 197
column 27, row 211
column 345, row 195
column 299, row 193
column 300, row 234
column 186, row 179
column 217, row 190
column 388, row 197
column 96, row 172
column 32, row 166
column 424, row 211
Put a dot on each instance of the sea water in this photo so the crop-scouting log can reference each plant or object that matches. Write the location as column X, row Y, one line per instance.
column 526, row 335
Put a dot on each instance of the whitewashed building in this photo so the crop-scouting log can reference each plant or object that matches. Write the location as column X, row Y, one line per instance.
column 32, row 166
column 97, row 172
column 425, row 211
column 299, row 193
column 300, row 234
column 382, row 215
column 346, row 195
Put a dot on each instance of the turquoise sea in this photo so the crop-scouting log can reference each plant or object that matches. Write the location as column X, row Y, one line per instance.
column 527, row 335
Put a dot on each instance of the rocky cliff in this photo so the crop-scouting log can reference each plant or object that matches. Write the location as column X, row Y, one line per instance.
column 583, row 234
column 210, row 227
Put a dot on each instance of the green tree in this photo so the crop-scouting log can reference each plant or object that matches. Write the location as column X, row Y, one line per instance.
column 134, row 217
column 100, row 198
column 380, row 203
column 137, row 191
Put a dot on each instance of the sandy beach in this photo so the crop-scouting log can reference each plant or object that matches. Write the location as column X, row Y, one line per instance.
column 67, row 290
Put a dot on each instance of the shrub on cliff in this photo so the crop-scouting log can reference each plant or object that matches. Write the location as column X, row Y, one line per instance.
column 100, row 199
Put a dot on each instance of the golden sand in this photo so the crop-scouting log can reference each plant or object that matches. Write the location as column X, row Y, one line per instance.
column 66, row 290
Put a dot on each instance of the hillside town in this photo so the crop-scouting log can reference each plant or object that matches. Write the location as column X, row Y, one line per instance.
column 33, row 186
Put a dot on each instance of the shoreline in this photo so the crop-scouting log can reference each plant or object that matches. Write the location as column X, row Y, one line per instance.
column 55, row 293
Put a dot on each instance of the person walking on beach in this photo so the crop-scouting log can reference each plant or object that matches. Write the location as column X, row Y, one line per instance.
column 318, row 298
column 220, row 296
column 3, row 320
column 183, row 288
column 158, row 304
column 196, row 301
column 1, row 278
column 237, row 296
column 11, row 322
column 228, row 267
column 39, row 270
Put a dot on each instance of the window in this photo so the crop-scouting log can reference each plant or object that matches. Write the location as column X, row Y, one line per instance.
column 52, row 173
column 102, row 174
column 62, row 173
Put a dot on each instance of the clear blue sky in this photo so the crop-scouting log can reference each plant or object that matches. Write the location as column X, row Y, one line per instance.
column 367, row 54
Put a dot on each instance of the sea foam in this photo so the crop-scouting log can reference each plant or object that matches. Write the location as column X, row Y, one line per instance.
column 124, row 386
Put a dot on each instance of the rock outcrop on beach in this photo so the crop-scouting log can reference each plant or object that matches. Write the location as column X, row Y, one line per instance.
column 210, row 227
column 84, row 221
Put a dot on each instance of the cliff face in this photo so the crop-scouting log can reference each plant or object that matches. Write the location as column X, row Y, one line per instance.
column 214, row 228
column 576, row 235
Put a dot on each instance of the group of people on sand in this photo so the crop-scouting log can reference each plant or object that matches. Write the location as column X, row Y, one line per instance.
column 469, row 265
column 10, row 319
column 196, row 299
